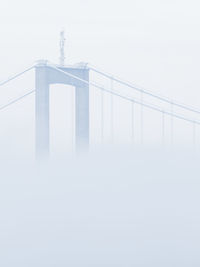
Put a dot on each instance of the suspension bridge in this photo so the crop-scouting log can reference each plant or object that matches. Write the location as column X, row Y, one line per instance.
column 78, row 76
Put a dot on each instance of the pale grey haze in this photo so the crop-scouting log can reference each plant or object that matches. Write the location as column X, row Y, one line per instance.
column 133, row 200
column 137, row 209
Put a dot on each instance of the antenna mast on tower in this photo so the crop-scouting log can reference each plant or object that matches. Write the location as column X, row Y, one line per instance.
column 62, row 48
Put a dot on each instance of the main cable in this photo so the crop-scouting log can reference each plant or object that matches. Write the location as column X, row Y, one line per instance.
column 16, row 100
column 16, row 75
column 145, row 104
column 147, row 92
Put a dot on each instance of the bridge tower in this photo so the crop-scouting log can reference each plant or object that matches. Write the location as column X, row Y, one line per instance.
column 45, row 75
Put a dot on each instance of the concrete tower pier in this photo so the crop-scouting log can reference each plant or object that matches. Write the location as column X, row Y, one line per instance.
column 45, row 75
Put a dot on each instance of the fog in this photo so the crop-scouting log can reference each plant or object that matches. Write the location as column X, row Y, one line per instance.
column 107, row 209
column 133, row 198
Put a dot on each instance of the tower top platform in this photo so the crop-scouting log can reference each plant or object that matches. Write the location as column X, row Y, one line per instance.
column 44, row 62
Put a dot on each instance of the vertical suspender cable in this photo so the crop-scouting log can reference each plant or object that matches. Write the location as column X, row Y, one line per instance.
column 102, row 115
column 163, row 128
column 73, row 119
column 172, row 123
column 194, row 134
column 111, row 110
column 142, row 115
column 132, row 122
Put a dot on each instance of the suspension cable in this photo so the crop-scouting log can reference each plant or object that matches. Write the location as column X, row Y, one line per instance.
column 112, row 111
column 147, row 92
column 141, row 117
column 172, row 124
column 16, row 75
column 16, row 100
column 194, row 134
column 128, row 98
column 102, row 116
column 163, row 128
column 132, row 121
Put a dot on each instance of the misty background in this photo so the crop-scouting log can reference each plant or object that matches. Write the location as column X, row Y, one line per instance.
column 118, row 206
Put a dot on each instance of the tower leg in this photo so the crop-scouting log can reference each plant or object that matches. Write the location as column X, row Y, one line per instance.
column 82, row 117
column 42, row 113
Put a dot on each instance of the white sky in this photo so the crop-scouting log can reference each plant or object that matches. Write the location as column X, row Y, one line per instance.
column 154, row 43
